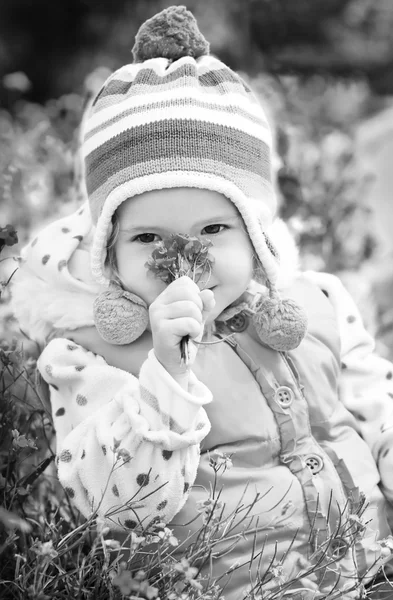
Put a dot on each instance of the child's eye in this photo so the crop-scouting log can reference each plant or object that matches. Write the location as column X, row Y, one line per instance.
column 145, row 238
column 212, row 229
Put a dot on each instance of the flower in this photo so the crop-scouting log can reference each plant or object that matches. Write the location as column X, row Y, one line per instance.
column 188, row 573
column 112, row 544
column 136, row 541
column 177, row 256
column 45, row 550
column 128, row 583
column 357, row 523
column 167, row 536
column 180, row 255
column 278, row 574
column 387, row 542
column 211, row 510
column 20, row 441
column 219, row 460
column 185, row 568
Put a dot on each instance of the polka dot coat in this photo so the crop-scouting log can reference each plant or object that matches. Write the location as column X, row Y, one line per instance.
column 130, row 447
column 119, row 438
column 366, row 382
column 126, row 447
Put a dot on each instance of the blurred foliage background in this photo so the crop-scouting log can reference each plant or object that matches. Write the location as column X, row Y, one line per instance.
column 57, row 43
column 323, row 70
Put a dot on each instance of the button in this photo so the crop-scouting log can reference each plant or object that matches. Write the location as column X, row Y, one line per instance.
column 338, row 548
column 238, row 323
column 314, row 463
column 284, row 396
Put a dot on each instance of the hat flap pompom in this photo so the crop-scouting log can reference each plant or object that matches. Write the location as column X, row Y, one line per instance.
column 172, row 34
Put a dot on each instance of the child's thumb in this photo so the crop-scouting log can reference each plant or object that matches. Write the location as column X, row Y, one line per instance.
column 209, row 302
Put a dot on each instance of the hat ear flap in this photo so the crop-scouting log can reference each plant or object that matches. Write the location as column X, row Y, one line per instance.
column 259, row 271
column 280, row 323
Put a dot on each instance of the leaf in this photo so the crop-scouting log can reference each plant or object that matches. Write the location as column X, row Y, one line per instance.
column 30, row 479
column 8, row 236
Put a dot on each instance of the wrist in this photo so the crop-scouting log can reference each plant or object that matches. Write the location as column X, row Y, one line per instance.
column 181, row 378
column 180, row 374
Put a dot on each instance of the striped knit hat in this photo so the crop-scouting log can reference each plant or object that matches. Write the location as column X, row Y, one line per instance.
column 178, row 117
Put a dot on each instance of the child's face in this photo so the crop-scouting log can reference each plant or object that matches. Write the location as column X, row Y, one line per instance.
column 151, row 216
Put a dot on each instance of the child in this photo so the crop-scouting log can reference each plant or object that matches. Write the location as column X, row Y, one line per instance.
column 176, row 143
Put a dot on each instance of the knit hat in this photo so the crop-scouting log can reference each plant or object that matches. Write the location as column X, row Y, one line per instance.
column 178, row 117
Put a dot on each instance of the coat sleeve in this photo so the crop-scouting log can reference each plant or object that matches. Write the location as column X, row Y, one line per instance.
column 127, row 448
column 366, row 382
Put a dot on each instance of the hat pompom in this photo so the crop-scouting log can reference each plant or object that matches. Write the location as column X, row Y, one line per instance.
column 172, row 34
column 120, row 316
column 280, row 322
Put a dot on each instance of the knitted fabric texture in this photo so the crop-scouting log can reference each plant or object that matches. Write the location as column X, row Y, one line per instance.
column 178, row 122
column 120, row 316
column 280, row 323
column 172, row 33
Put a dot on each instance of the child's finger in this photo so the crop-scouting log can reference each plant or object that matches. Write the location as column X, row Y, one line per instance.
column 182, row 289
column 209, row 302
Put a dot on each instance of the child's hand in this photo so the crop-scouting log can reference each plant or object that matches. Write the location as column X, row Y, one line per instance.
column 179, row 310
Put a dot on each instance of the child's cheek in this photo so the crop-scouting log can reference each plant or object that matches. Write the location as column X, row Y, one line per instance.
column 234, row 262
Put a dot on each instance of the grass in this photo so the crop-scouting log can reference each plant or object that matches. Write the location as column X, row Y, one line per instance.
column 48, row 550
